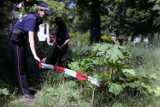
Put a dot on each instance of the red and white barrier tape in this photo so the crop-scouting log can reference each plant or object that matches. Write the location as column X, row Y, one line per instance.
column 70, row 72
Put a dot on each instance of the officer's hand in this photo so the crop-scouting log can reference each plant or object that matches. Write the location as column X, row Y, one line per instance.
column 37, row 58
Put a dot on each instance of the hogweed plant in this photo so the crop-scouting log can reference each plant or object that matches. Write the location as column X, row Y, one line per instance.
column 107, row 64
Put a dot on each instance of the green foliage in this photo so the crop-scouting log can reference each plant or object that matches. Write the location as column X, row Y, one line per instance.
column 5, row 18
column 130, row 18
column 122, row 37
column 115, row 88
column 112, row 55
column 78, row 46
column 107, row 64
column 145, row 57
column 65, row 94
column 126, row 87
column 4, row 91
column 118, row 104
column 4, row 96
column 107, row 38
column 103, row 56
column 59, row 9
column 144, row 82
column 80, row 37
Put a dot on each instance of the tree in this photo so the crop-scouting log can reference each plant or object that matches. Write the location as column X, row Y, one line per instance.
column 4, row 14
column 131, row 18
column 59, row 9
column 93, row 8
column 6, row 8
column 95, row 21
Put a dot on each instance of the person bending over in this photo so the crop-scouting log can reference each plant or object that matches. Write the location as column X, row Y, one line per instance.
column 24, row 30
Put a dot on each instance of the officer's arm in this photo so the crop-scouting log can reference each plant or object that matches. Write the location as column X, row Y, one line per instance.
column 32, row 45
column 36, row 40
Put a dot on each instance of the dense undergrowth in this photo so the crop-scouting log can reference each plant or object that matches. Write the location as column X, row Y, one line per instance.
column 130, row 73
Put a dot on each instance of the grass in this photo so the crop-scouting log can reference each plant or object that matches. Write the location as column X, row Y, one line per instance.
column 64, row 95
column 59, row 90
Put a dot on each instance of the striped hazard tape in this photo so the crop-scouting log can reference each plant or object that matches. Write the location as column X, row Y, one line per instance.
column 70, row 72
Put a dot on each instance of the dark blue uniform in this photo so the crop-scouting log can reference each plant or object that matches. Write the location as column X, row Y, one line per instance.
column 18, row 45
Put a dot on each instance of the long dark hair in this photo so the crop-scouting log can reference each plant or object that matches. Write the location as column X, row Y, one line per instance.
column 60, row 23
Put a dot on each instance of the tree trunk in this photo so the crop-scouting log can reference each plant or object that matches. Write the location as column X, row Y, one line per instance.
column 95, row 32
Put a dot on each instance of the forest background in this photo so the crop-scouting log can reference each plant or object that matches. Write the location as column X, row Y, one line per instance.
column 130, row 71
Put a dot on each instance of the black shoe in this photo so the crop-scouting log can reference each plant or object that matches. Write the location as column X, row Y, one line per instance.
column 29, row 96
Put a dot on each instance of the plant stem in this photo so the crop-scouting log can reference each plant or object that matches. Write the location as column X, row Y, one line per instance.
column 93, row 96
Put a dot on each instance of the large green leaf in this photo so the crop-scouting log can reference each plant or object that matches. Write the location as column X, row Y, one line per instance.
column 115, row 88
column 74, row 65
column 114, row 54
column 129, row 71
column 157, row 92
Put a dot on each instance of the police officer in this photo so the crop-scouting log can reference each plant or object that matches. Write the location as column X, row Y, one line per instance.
column 62, row 40
column 25, row 30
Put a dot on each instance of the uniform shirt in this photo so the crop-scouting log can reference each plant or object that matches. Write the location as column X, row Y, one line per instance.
column 29, row 22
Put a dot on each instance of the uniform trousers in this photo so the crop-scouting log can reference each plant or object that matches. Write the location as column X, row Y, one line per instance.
column 19, row 61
